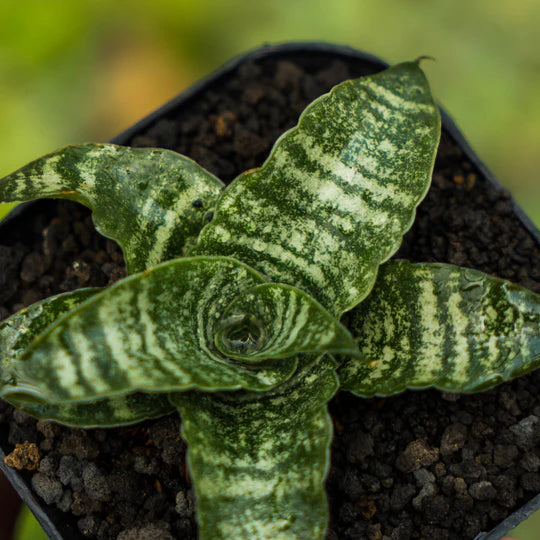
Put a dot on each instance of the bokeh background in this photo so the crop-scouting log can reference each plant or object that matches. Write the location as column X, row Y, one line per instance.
column 73, row 71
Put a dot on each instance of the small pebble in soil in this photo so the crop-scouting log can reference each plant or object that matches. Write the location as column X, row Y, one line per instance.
column 25, row 456
column 47, row 487
column 417, row 454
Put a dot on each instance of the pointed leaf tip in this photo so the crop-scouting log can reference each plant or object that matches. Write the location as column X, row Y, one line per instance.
column 425, row 57
column 339, row 190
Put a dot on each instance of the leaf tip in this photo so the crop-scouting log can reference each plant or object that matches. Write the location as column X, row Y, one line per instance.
column 424, row 57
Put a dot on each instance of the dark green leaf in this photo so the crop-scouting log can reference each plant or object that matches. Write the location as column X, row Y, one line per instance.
column 153, row 202
column 338, row 191
column 440, row 325
column 259, row 461
column 153, row 331
column 17, row 333
column 111, row 412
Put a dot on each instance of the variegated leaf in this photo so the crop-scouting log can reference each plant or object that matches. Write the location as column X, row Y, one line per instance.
column 153, row 202
column 338, row 191
column 259, row 461
column 111, row 412
column 17, row 333
column 276, row 321
column 153, row 331
column 439, row 325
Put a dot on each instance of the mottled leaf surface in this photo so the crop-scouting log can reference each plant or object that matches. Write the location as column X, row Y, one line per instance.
column 153, row 331
column 152, row 202
column 338, row 191
column 276, row 321
column 109, row 412
column 440, row 325
column 17, row 333
column 259, row 461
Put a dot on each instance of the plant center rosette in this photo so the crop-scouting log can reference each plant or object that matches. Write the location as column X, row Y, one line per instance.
column 235, row 322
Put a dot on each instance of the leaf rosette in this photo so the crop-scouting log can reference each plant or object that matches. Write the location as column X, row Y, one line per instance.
column 236, row 322
column 154, row 332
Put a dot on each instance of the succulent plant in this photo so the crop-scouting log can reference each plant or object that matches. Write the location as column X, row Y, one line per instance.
column 233, row 312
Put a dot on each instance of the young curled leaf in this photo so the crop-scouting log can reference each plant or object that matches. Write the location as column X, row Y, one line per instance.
column 274, row 320
column 152, row 202
column 259, row 461
column 17, row 333
column 338, row 191
column 151, row 332
column 439, row 325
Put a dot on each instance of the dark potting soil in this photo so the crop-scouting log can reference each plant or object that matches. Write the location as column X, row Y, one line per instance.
column 419, row 465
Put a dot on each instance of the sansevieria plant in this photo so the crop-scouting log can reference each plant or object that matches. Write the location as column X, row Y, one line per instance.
column 231, row 312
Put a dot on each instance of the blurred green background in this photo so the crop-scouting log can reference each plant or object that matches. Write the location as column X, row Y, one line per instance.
column 86, row 70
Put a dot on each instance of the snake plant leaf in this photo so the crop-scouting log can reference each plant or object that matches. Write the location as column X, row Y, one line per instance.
column 152, row 202
column 338, row 191
column 151, row 332
column 259, row 461
column 274, row 320
column 440, row 325
column 112, row 412
column 17, row 333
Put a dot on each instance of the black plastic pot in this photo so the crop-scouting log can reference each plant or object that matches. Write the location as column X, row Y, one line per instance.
column 49, row 517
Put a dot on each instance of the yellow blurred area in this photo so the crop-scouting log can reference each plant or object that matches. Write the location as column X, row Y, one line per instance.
column 73, row 71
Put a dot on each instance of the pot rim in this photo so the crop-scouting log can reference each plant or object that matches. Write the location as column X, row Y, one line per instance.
column 264, row 52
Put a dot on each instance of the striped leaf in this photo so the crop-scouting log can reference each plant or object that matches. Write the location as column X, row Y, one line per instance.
column 113, row 412
column 152, row 202
column 338, row 191
column 153, row 332
column 276, row 321
column 259, row 461
column 17, row 333
column 439, row 325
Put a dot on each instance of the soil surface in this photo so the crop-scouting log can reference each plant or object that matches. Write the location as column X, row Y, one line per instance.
column 419, row 465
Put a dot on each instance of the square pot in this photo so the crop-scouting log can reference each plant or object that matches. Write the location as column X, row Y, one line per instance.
column 421, row 464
